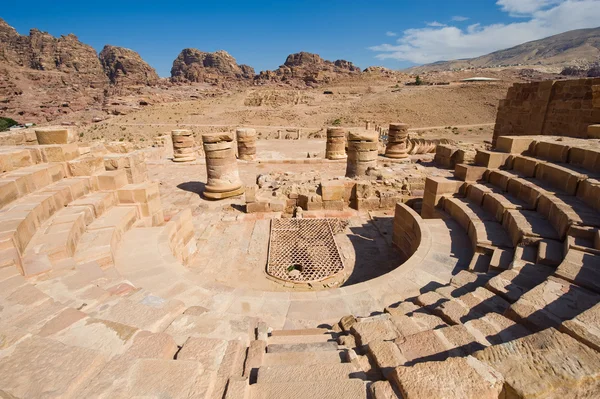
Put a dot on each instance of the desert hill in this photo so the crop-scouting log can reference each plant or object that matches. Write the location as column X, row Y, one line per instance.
column 192, row 65
column 308, row 69
column 125, row 67
column 577, row 47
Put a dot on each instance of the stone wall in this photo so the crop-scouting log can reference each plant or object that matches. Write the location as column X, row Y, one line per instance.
column 557, row 108
column 407, row 230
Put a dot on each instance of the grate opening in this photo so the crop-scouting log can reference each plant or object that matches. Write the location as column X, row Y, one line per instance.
column 304, row 250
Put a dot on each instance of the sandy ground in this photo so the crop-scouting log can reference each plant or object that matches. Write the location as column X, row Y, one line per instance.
column 274, row 110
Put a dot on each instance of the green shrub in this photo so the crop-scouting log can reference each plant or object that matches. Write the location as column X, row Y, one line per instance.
column 6, row 123
column 337, row 122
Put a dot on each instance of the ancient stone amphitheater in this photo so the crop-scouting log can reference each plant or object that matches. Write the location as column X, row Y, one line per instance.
column 114, row 284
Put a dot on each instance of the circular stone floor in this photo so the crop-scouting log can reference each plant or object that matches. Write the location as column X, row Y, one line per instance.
column 227, row 278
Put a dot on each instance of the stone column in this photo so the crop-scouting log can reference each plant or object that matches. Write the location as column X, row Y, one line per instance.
column 223, row 179
column 246, row 144
column 368, row 125
column 397, row 137
column 183, row 146
column 335, row 148
column 362, row 153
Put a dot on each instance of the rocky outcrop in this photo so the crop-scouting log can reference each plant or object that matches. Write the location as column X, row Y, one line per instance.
column 308, row 69
column 193, row 65
column 592, row 70
column 125, row 67
column 43, row 52
column 43, row 77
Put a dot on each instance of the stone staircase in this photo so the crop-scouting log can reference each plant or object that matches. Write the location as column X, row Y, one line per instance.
column 70, row 324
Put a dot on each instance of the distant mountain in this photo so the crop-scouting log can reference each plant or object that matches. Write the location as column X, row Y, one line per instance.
column 577, row 47
column 307, row 69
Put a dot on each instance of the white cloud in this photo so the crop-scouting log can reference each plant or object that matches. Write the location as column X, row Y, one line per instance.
column 458, row 18
column 436, row 24
column 432, row 44
column 391, row 34
column 525, row 7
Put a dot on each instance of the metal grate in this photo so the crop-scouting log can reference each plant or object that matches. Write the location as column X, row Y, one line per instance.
column 304, row 250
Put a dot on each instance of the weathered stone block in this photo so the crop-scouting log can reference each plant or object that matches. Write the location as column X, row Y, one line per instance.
column 490, row 159
column 332, row 190
column 593, row 131
column 86, row 166
column 469, row 173
column 513, row 144
column 112, row 179
column 55, row 136
column 257, row 206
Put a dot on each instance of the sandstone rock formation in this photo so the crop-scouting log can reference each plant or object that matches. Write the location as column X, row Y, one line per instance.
column 43, row 76
column 41, row 51
column 193, row 65
column 125, row 67
column 308, row 69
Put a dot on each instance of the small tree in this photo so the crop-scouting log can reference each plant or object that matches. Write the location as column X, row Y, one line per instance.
column 6, row 123
column 418, row 81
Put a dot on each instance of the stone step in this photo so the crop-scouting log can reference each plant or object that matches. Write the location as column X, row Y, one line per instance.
column 41, row 365
column 512, row 284
column 99, row 202
column 480, row 263
column 81, row 288
column 312, row 372
column 99, row 246
column 439, row 344
column 28, row 180
column 550, row 253
column 527, row 227
column 374, row 328
column 452, row 311
column 212, row 324
column 334, row 389
column 107, row 337
column 454, row 378
column 414, row 322
column 303, row 347
column 551, row 303
column 299, row 339
column 58, row 240
column 495, row 329
column 153, row 313
column 585, row 327
column 497, row 203
column 306, row 331
column 581, row 268
column 304, row 358
column 545, row 364
column 501, row 259
column 465, row 281
column 128, row 376
column 482, row 228
column 119, row 217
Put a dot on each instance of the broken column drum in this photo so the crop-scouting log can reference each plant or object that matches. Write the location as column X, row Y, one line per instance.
column 335, row 147
column 397, row 141
column 246, row 144
column 183, row 146
column 223, row 179
column 362, row 153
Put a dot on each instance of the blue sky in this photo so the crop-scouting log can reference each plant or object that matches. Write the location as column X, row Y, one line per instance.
column 392, row 33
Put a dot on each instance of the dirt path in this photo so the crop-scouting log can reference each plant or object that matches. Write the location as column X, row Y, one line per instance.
column 281, row 127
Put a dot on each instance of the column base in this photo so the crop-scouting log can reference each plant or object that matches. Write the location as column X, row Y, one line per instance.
column 223, row 195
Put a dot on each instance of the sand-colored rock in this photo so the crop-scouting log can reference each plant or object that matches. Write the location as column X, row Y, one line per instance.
column 452, row 378
column 547, row 363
